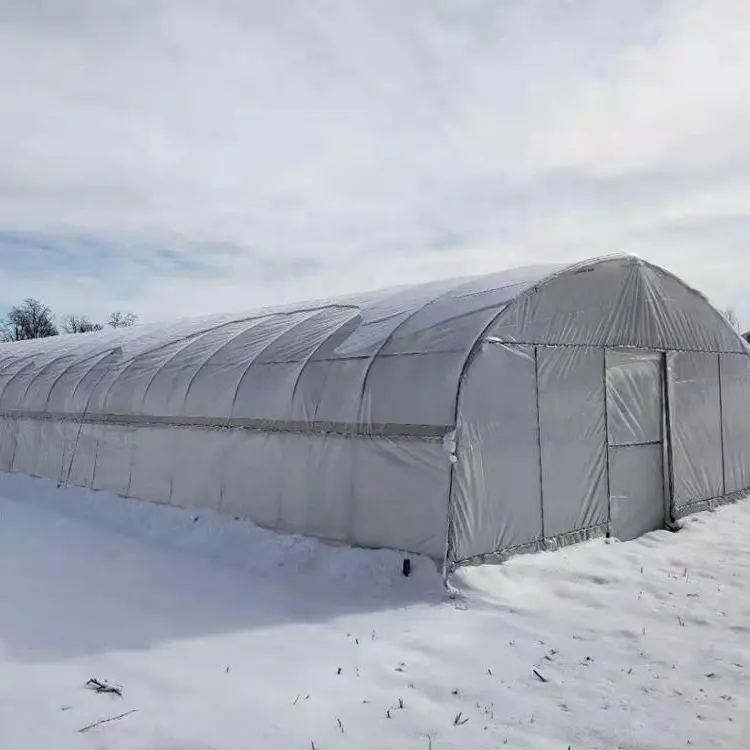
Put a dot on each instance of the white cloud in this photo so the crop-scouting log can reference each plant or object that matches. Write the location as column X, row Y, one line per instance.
column 305, row 147
column 682, row 98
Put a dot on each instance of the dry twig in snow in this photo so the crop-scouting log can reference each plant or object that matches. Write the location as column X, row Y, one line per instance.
column 103, row 687
column 106, row 721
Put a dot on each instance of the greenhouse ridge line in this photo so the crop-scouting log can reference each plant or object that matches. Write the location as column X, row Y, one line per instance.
column 300, row 427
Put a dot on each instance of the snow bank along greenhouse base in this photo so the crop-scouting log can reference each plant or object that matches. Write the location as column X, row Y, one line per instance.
column 464, row 420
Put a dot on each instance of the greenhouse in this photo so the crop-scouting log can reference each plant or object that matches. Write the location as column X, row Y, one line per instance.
column 465, row 420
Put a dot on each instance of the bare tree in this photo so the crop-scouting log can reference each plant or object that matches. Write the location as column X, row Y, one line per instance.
column 122, row 320
column 79, row 324
column 30, row 320
column 732, row 318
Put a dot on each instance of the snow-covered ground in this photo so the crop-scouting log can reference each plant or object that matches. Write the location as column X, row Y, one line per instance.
column 225, row 637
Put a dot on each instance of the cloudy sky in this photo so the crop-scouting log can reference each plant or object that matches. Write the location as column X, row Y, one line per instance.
column 187, row 156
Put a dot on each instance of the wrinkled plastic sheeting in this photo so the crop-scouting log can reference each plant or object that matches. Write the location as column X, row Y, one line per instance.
column 113, row 461
column 496, row 503
column 8, row 437
column 50, row 451
column 388, row 358
column 621, row 302
column 28, row 446
column 472, row 305
column 635, row 428
column 14, row 380
column 695, row 419
column 635, row 411
column 330, row 360
column 80, row 446
column 220, row 378
column 383, row 318
column 371, row 492
column 202, row 467
column 636, row 480
column 735, row 402
column 407, row 389
column 60, row 451
column 421, row 386
column 401, row 495
column 573, row 438
column 397, row 323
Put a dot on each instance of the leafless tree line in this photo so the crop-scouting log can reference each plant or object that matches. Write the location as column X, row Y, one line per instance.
column 34, row 320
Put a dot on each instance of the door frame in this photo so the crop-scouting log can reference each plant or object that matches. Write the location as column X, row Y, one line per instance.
column 667, row 440
column 666, row 430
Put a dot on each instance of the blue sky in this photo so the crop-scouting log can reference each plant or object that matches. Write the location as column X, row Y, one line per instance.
column 178, row 156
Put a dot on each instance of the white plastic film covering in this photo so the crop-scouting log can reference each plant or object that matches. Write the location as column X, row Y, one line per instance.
column 151, row 475
column 386, row 398
column 573, row 439
column 620, row 302
column 79, row 454
column 636, row 481
column 281, row 364
column 250, row 484
column 215, row 411
column 311, row 498
column 372, row 492
column 202, row 466
column 8, row 440
column 369, row 491
column 735, row 404
column 50, row 451
column 635, row 427
column 400, row 495
column 695, row 419
column 329, row 361
column 28, row 447
column 635, row 413
column 114, row 458
column 496, row 503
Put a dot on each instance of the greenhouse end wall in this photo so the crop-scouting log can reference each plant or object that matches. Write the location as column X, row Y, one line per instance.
column 561, row 443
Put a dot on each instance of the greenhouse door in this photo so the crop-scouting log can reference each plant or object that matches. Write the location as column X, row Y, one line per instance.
column 635, row 441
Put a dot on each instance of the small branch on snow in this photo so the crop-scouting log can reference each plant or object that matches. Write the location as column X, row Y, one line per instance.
column 106, row 721
column 460, row 720
column 103, row 687
column 540, row 676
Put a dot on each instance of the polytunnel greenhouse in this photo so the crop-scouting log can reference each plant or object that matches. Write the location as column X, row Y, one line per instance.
column 466, row 420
